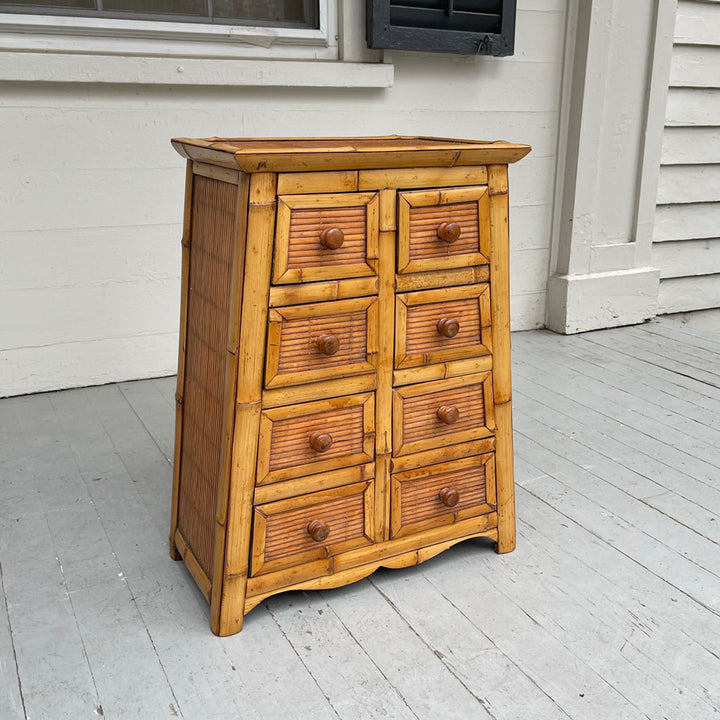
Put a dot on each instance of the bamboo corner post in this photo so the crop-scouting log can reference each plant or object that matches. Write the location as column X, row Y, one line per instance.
column 344, row 391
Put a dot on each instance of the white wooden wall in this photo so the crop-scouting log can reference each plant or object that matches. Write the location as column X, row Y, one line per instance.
column 686, row 240
column 91, row 191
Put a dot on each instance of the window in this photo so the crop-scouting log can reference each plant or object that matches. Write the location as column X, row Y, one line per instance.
column 288, row 13
column 468, row 27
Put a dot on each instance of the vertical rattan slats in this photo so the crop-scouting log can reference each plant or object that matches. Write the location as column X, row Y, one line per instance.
column 211, row 253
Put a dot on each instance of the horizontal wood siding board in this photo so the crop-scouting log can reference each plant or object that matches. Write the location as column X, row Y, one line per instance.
column 691, row 146
column 682, row 222
column 686, row 294
column 689, row 183
column 695, row 107
column 697, row 23
column 684, row 258
column 695, row 66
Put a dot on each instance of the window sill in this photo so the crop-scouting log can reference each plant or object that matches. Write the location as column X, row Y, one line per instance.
column 136, row 70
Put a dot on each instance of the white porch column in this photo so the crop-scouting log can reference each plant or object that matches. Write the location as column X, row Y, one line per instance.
column 616, row 72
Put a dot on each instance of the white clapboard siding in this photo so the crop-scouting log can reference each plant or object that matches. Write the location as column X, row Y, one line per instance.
column 686, row 238
column 691, row 146
column 698, row 23
column 679, row 222
column 695, row 66
column 694, row 293
column 685, row 258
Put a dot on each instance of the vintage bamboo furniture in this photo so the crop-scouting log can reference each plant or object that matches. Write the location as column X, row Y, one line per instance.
column 344, row 390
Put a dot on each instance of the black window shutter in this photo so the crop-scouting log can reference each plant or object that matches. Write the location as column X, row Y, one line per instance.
column 467, row 27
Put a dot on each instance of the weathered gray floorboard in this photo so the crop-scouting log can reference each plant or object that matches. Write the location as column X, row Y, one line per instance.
column 354, row 686
column 609, row 607
column 681, row 363
column 570, row 402
column 655, row 399
column 153, row 411
column 11, row 700
column 633, row 412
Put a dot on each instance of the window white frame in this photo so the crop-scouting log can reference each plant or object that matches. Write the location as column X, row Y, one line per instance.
column 66, row 49
column 108, row 36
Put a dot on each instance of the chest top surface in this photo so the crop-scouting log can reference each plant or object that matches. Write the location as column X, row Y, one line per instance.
column 392, row 151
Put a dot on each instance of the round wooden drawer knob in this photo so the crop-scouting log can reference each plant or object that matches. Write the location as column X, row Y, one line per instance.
column 318, row 530
column 449, row 497
column 448, row 327
column 327, row 344
column 320, row 441
column 332, row 238
column 448, row 414
column 449, row 232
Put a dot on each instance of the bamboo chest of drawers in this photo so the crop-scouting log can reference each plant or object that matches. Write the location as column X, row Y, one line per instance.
column 344, row 392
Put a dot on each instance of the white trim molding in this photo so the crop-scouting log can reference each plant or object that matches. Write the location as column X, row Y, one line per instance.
column 617, row 65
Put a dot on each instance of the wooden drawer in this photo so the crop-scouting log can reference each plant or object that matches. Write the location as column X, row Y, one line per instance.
column 307, row 343
column 445, row 412
column 442, row 494
column 316, row 437
column 312, row 527
column 325, row 237
column 442, row 229
column 435, row 326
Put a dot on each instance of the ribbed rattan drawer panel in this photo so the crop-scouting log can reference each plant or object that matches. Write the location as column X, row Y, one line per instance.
column 314, row 342
column 440, row 325
column 326, row 237
column 444, row 412
column 442, row 494
column 282, row 530
column 316, row 437
column 442, row 229
column 208, row 306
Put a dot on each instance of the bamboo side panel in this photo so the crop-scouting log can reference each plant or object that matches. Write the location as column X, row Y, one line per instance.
column 417, row 411
column 420, row 215
column 208, row 307
column 300, row 255
column 416, row 494
column 281, row 530
column 287, row 434
column 294, row 356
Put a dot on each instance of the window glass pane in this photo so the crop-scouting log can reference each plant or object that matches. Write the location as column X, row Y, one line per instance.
column 173, row 7
column 267, row 10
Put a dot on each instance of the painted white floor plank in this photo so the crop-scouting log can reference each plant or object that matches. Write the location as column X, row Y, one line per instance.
column 610, row 606
column 11, row 699
column 354, row 686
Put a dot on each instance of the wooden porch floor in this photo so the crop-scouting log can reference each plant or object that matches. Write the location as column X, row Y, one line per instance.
column 609, row 609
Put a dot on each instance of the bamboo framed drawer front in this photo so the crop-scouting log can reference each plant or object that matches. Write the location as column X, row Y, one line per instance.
column 312, row 527
column 326, row 237
column 445, row 412
column 442, row 494
column 315, row 437
column 343, row 390
column 441, row 229
column 323, row 340
column 445, row 324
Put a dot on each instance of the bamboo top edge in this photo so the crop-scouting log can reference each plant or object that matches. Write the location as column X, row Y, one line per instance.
column 271, row 154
